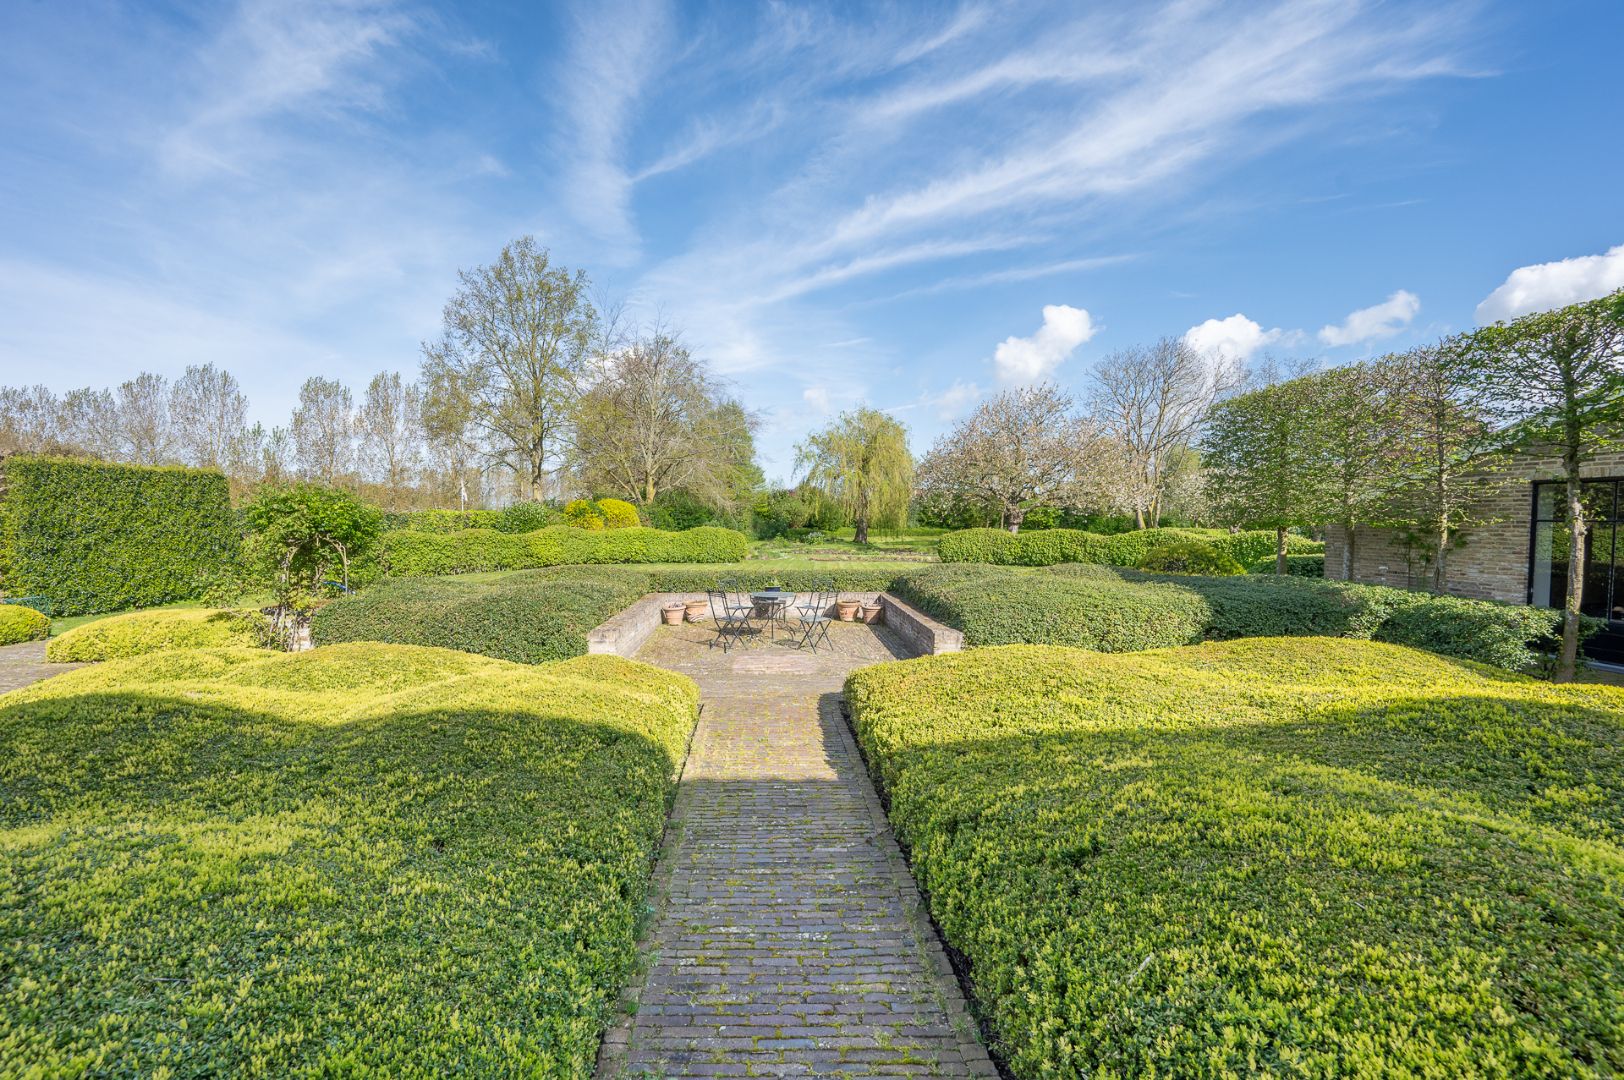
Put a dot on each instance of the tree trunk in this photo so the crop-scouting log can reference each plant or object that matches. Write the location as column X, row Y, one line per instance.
column 1139, row 517
column 1280, row 550
column 1440, row 558
column 1569, row 665
column 648, row 492
column 1013, row 518
column 1347, row 551
column 861, row 534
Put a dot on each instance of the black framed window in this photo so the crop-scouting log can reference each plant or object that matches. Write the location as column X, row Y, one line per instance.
column 1548, row 550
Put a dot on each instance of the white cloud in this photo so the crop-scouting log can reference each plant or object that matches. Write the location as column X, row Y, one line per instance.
column 1235, row 338
column 1544, row 286
column 1031, row 359
column 818, row 398
column 1377, row 321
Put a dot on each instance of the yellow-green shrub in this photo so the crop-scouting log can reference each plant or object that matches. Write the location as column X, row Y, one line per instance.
column 1310, row 857
column 360, row 860
column 19, row 624
column 152, row 631
column 618, row 514
column 407, row 553
column 1050, row 547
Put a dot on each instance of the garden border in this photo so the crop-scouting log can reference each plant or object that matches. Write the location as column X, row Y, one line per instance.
column 623, row 633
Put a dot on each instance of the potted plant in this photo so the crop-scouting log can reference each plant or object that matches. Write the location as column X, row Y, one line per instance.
column 672, row 612
column 872, row 611
column 846, row 610
column 697, row 610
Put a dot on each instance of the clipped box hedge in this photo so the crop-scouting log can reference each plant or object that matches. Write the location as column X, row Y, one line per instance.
column 409, row 553
column 19, row 624
column 1296, row 566
column 1266, row 857
column 93, row 536
column 1049, row 547
column 142, row 632
column 539, row 615
column 1113, row 610
column 364, row 860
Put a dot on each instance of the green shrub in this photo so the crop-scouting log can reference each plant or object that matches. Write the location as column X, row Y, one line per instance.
column 525, row 619
column 1050, row 547
column 304, row 536
column 524, row 517
column 1296, row 565
column 143, row 632
column 618, row 514
column 445, row 521
column 1095, row 606
column 1269, row 857
column 19, row 624
column 1190, row 557
column 583, row 514
column 360, row 860
column 406, row 553
column 93, row 536
column 995, row 606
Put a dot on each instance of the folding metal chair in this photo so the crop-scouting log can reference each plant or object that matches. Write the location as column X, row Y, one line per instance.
column 732, row 624
column 813, row 616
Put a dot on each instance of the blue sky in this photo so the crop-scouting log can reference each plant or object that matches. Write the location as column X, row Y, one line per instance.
column 909, row 205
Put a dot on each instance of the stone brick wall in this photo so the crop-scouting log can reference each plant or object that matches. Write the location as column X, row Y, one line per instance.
column 1491, row 563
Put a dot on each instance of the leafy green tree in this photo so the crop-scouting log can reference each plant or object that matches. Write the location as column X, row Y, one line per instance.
column 1557, row 383
column 1446, row 457
column 299, row 532
column 1260, row 472
column 512, row 358
column 1351, row 419
column 861, row 463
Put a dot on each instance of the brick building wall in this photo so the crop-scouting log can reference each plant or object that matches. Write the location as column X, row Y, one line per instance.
column 1491, row 561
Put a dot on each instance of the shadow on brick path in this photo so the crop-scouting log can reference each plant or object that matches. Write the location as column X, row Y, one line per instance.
column 788, row 937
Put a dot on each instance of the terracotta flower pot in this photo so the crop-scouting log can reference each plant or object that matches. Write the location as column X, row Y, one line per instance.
column 672, row 612
column 697, row 610
column 873, row 613
column 846, row 610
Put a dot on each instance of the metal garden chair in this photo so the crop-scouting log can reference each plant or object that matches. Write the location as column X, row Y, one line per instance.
column 814, row 614
column 732, row 623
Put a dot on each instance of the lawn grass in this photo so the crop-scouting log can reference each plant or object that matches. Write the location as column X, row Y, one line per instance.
column 1303, row 856
column 361, row 860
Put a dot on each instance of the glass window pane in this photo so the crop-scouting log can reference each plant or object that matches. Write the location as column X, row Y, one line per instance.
column 1550, row 565
column 1598, row 499
column 1597, row 599
column 1548, row 502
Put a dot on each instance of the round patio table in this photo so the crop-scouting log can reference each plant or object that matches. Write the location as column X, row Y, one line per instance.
column 771, row 606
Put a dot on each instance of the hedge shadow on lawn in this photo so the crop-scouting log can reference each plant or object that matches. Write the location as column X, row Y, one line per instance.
column 1322, row 894
column 223, row 890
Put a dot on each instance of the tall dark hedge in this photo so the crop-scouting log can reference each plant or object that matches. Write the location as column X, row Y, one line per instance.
column 93, row 536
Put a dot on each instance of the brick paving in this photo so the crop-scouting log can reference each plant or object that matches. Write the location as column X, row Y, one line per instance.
column 23, row 664
column 788, row 938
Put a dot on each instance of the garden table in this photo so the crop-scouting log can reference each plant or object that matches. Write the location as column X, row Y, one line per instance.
column 771, row 605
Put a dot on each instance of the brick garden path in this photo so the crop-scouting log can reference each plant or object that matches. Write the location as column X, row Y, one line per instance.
column 23, row 664
column 789, row 938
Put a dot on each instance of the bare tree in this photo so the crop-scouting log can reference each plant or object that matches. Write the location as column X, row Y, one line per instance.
column 518, row 335
column 391, row 429
column 1024, row 447
column 448, row 425
column 141, row 429
column 210, row 414
column 1153, row 400
column 323, row 430
column 29, row 421
column 655, row 419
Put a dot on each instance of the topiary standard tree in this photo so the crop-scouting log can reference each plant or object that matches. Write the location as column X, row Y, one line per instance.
column 1557, row 380
column 861, row 463
column 1260, row 469
column 298, row 531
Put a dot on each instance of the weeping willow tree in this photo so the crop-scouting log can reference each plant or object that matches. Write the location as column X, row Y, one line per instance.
column 861, row 464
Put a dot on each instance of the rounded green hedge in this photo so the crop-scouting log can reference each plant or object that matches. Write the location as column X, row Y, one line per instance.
column 1111, row 609
column 525, row 619
column 1267, row 857
column 153, row 631
column 19, row 624
column 1190, row 557
column 1310, row 566
column 1050, row 547
column 409, row 553
column 362, row 860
